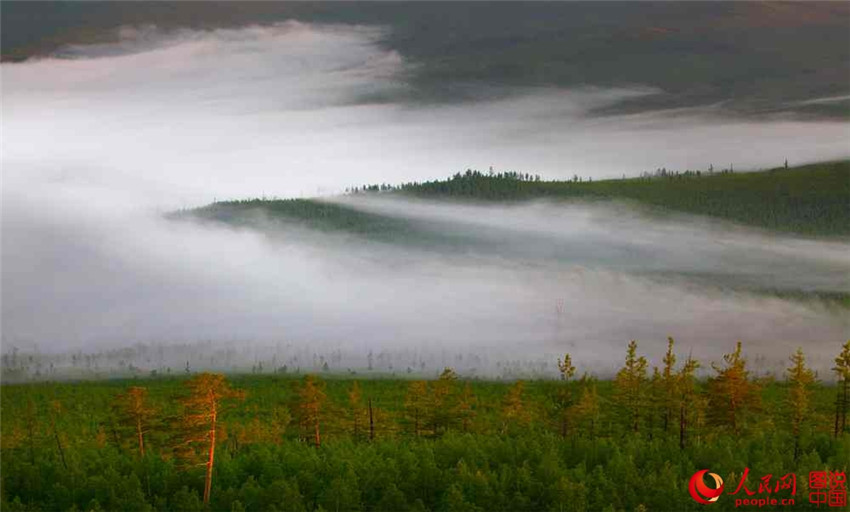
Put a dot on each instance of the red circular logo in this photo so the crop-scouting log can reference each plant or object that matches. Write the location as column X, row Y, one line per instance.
column 702, row 493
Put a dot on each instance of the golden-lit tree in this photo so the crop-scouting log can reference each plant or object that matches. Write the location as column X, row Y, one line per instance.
column 800, row 379
column 356, row 411
column 586, row 410
column 466, row 407
column 378, row 421
column 630, row 386
column 515, row 412
column 416, row 404
column 842, row 400
column 310, row 407
column 732, row 393
column 442, row 410
column 209, row 396
column 267, row 424
column 133, row 410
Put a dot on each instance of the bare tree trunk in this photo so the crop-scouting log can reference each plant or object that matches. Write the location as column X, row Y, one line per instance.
column 208, row 481
column 682, row 427
column 59, row 445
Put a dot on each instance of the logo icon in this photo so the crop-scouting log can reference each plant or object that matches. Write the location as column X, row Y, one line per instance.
column 702, row 493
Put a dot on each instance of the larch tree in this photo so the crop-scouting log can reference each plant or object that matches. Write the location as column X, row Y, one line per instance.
column 515, row 412
column 564, row 398
column 800, row 379
column 466, row 407
column 442, row 411
column 31, row 424
column 687, row 398
column 310, row 406
column 654, row 401
column 416, row 405
column 668, row 386
column 630, row 386
column 133, row 410
column 208, row 398
column 267, row 424
column 732, row 394
column 566, row 368
column 54, row 412
column 842, row 400
column 357, row 414
column 586, row 410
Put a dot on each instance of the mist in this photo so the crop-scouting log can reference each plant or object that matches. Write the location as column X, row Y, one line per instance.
column 99, row 144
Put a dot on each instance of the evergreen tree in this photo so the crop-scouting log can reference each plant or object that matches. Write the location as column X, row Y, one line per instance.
column 133, row 410
column 688, row 402
column 630, row 386
column 203, row 408
column 515, row 413
column 564, row 398
column 733, row 395
column 586, row 411
column 55, row 411
column 355, row 410
column 310, row 407
column 466, row 407
column 668, row 386
column 442, row 413
column 800, row 379
column 416, row 405
column 842, row 400
column 566, row 368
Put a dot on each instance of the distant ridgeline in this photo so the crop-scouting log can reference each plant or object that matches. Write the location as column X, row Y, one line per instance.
column 315, row 214
column 811, row 199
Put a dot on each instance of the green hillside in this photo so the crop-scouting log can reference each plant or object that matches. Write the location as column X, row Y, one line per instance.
column 811, row 199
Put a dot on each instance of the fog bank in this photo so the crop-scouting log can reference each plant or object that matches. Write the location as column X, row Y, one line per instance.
column 95, row 148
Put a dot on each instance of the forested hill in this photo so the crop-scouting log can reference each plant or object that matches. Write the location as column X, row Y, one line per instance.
column 811, row 199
